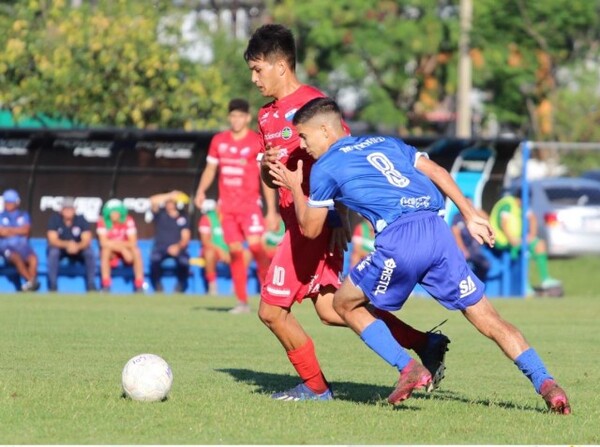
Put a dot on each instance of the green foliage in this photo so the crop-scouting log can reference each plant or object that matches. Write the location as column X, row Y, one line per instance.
column 383, row 47
column 562, row 29
column 103, row 64
column 577, row 115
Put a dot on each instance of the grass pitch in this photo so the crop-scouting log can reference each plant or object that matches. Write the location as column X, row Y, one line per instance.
column 61, row 358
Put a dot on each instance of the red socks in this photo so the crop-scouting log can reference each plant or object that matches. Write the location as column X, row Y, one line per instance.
column 306, row 364
column 406, row 335
column 239, row 275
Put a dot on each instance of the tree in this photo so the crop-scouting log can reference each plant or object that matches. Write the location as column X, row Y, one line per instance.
column 104, row 63
column 520, row 45
column 396, row 54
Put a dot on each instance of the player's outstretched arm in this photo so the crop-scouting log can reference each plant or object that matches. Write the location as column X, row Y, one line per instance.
column 478, row 226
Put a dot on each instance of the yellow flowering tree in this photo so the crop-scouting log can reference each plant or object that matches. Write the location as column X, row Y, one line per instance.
column 108, row 64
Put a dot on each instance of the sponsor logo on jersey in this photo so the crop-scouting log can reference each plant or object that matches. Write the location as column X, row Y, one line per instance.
column 245, row 151
column 467, row 287
column 286, row 133
column 289, row 116
column 416, row 202
column 283, row 152
column 386, row 276
column 232, row 170
column 364, row 263
column 362, row 145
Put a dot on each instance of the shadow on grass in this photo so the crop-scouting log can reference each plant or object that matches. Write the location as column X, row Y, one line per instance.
column 268, row 383
column 212, row 308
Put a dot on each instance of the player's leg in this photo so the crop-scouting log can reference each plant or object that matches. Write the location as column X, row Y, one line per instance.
column 211, row 256
column 511, row 341
column 138, row 268
column 156, row 257
column 53, row 259
column 281, row 288
column 234, row 238
column 430, row 346
column 109, row 258
column 182, row 271
column 300, row 351
column 89, row 260
column 351, row 304
column 253, row 227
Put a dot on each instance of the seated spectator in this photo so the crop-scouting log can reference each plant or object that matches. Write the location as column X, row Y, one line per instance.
column 70, row 235
column 506, row 220
column 15, row 225
column 117, row 235
column 271, row 239
column 472, row 249
column 214, row 248
column 363, row 241
column 171, row 238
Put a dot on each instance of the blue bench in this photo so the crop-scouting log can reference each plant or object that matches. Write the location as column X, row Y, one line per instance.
column 71, row 276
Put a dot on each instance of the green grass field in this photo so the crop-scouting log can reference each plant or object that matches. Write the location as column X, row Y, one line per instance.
column 61, row 358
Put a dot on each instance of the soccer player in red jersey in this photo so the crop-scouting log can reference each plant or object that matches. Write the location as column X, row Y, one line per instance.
column 303, row 267
column 234, row 154
column 117, row 235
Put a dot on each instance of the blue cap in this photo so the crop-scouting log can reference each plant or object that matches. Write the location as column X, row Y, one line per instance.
column 11, row 196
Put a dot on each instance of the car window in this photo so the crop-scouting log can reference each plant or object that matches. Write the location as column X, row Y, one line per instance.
column 573, row 196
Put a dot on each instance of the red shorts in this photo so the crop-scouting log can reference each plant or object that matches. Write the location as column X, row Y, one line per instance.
column 238, row 226
column 300, row 267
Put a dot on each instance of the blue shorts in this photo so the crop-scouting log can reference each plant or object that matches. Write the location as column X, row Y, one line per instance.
column 24, row 250
column 417, row 249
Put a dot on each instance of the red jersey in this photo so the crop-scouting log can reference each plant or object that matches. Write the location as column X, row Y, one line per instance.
column 119, row 231
column 276, row 128
column 239, row 171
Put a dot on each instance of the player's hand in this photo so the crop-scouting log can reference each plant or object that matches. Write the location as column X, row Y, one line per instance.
column 339, row 240
column 72, row 248
column 481, row 230
column 285, row 178
column 271, row 154
column 173, row 250
column 199, row 199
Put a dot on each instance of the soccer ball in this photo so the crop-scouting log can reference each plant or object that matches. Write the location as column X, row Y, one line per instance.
column 147, row 377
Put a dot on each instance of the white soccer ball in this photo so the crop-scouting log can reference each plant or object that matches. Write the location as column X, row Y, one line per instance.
column 147, row 377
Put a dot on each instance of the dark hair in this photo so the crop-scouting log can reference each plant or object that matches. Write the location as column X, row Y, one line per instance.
column 270, row 41
column 239, row 104
column 315, row 107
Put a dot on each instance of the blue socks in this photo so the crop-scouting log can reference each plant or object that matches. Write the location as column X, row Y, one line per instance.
column 530, row 364
column 378, row 337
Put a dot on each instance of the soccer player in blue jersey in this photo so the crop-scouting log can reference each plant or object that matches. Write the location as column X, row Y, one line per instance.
column 394, row 186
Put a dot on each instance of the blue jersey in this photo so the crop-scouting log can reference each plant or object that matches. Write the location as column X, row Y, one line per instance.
column 374, row 176
column 14, row 219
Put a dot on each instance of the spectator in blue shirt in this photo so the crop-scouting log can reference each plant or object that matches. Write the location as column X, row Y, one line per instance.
column 69, row 235
column 171, row 238
column 15, row 225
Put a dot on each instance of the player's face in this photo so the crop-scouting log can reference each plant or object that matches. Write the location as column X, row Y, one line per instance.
column 10, row 206
column 115, row 216
column 313, row 138
column 68, row 212
column 265, row 76
column 238, row 120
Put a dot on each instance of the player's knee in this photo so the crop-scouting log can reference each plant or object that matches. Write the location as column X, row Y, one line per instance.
column 340, row 304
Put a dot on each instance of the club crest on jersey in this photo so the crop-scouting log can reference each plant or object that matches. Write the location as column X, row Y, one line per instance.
column 286, row 133
column 289, row 116
column 283, row 153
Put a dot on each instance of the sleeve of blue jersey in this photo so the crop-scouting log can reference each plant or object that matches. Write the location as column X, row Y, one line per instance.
column 323, row 188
